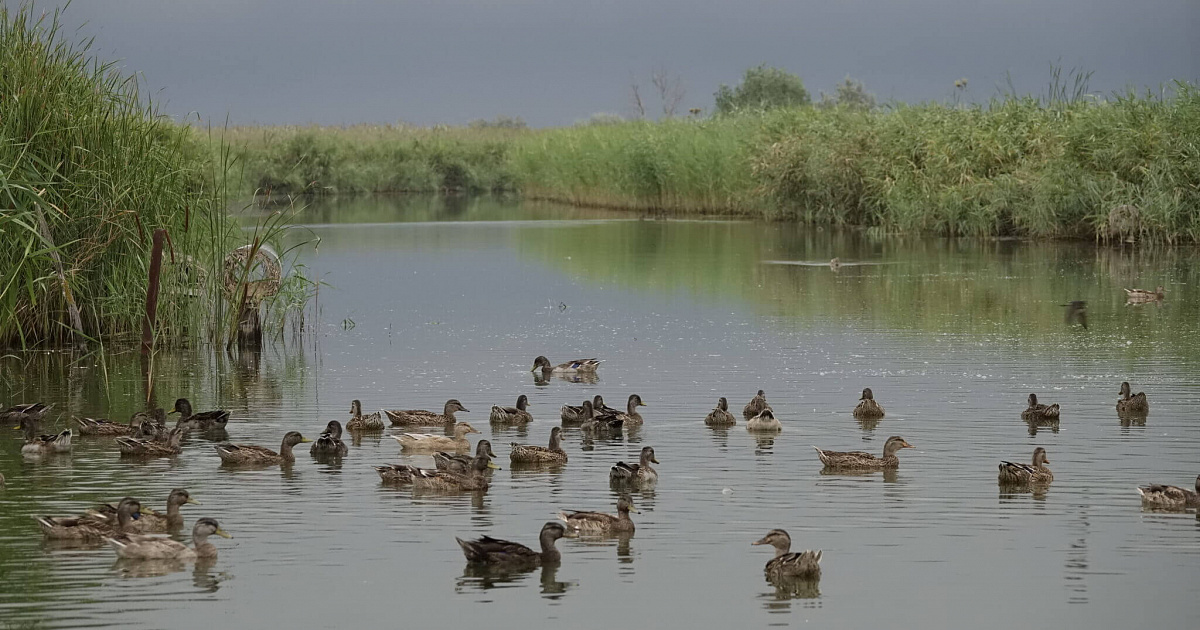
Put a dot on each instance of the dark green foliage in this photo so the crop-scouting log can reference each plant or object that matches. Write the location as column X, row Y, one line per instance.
column 762, row 88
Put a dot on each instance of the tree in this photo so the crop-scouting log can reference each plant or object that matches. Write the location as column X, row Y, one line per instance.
column 850, row 94
column 762, row 87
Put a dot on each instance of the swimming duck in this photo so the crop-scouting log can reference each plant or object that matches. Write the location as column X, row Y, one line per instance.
column 103, row 426
column 1132, row 404
column 640, row 473
column 530, row 453
column 1170, row 497
column 631, row 415
column 601, row 408
column 395, row 473
column 1037, row 411
column 260, row 455
column 605, row 424
column 720, row 415
column 203, row 421
column 36, row 444
column 359, row 422
column 495, row 551
column 91, row 527
column 1023, row 474
column 755, row 406
column 461, row 463
column 139, row 447
column 330, row 441
column 445, row 481
column 600, row 522
column 867, row 407
column 1076, row 310
column 805, row 564
column 17, row 413
column 421, row 417
column 143, row 547
column 578, row 365
column 512, row 415
column 152, row 521
column 432, row 442
column 1142, row 295
column 764, row 421
column 571, row 414
column 858, row 460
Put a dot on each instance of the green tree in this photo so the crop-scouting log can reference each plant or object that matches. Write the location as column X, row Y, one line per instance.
column 762, row 87
column 850, row 94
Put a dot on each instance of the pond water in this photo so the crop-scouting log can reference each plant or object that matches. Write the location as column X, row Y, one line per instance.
column 428, row 299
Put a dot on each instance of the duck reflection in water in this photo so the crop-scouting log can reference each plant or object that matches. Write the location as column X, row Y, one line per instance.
column 483, row 577
column 203, row 577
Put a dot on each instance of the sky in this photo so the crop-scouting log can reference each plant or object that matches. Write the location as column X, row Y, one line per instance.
column 556, row 62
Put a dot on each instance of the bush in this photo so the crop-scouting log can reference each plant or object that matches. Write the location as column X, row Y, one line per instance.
column 762, row 88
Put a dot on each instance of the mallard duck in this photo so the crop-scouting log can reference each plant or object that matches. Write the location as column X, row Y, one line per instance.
column 1170, row 497
column 858, row 460
column 91, row 527
column 1136, row 403
column 432, row 442
column 143, row 547
column 151, row 521
column 137, row 447
column 203, row 421
column 602, row 409
column 445, row 481
column 805, row 564
column 1076, row 311
column 578, row 365
column 604, row 424
column 640, row 473
column 260, row 455
column 330, row 441
column 1142, row 295
column 530, row 453
column 573, row 415
column 631, row 415
column 420, row 417
column 755, row 406
column 150, row 425
column 764, row 421
column 1023, row 474
column 104, row 426
column 17, row 413
column 36, row 444
column 395, row 473
column 460, row 463
column 1037, row 411
column 720, row 415
column 359, row 422
column 600, row 522
column 494, row 551
column 512, row 415
column 867, row 407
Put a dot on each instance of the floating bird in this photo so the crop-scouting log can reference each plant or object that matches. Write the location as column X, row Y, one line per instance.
column 755, row 406
column 720, row 415
column 423, row 418
column 254, row 455
column 203, row 421
column 330, row 441
column 359, row 422
column 805, row 564
column 1170, row 497
column 764, row 421
column 461, row 463
column 1023, row 474
column 495, row 551
column 512, row 415
column 17, row 413
column 144, row 547
column 867, row 407
column 858, row 460
column 600, row 522
column 1038, row 411
column 1077, row 311
column 578, row 365
column 1136, row 403
column 430, row 441
column 141, row 447
column 151, row 521
column 1141, row 296
column 641, row 473
column 36, row 444
column 526, row 453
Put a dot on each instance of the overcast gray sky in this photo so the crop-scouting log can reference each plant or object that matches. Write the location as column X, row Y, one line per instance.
column 556, row 62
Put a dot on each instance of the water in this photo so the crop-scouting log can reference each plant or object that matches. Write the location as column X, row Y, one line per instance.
column 432, row 299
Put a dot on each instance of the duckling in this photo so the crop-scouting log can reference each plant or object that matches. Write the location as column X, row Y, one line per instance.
column 203, row 421
column 755, row 406
column 432, row 442
column 17, row 413
column 1037, row 411
column 764, row 421
column 91, row 527
column 359, row 422
column 460, row 463
column 512, row 415
column 1170, row 497
column 805, row 565
column 330, row 442
column 867, row 407
column 602, row 409
column 251, row 454
column 143, row 547
column 529, row 453
column 1135, row 296
column 573, row 415
column 151, row 521
column 720, row 415
column 599, row 522
column 444, row 481
column 1132, row 404
column 1022, row 474
column 570, row 367
column 641, row 473
column 36, row 444
column 421, row 417
column 495, row 551
column 858, row 460
column 137, row 447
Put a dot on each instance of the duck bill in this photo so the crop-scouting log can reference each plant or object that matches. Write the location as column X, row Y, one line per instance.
column 759, row 542
column 654, row 459
column 493, row 466
column 304, row 439
column 192, row 501
column 907, row 445
column 173, row 411
column 223, row 534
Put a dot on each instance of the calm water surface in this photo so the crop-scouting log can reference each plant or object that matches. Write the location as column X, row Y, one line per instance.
column 429, row 299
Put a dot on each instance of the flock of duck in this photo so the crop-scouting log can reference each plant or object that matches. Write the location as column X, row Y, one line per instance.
column 134, row 531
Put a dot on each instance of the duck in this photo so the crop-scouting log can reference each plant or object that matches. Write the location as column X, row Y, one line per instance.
column 571, row 414
column 149, row 425
column 1076, row 311
column 106, row 427
column 432, row 442
column 1037, row 411
column 445, row 481
column 17, row 413
column 495, row 551
column 867, row 407
column 359, row 422
column 203, row 421
column 461, row 463
column 631, row 415
column 764, row 421
column 36, row 444
column 1170, row 497
column 601, row 408
column 1142, row 295
column 512, row 415
column 423, row 418
column 261, row 455
column 151, row 521
column 1023, row 474
column 755, row 406
column 523, row 453
column 605, row 424
column 720, row 415
column 330, row 442
column 600, row 522
column 858, row 460
column 141, row 447
column 1136, row 403
column 805, row 564
column 640, row 473
column 570, row 367
column 143, row 547
column 91, row 527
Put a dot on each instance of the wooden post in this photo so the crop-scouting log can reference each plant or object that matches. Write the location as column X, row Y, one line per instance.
column 152, row 292
column 68, row 297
